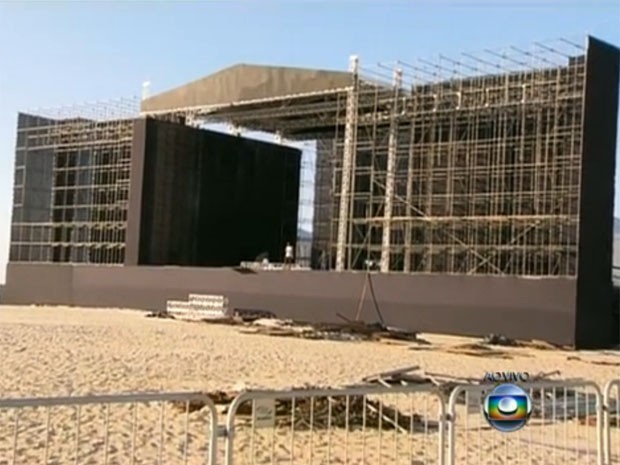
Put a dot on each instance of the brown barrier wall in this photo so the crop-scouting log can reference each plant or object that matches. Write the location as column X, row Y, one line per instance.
column 516, row 307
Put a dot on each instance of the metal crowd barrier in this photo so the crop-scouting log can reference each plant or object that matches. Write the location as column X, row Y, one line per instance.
column 565, row 427
column 572, row 423
column 362, row 425
column 115, row 429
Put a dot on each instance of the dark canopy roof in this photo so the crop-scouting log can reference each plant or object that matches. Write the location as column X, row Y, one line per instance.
column 245, row 83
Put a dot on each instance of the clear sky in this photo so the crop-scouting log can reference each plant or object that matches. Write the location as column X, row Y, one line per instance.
column 54, row 54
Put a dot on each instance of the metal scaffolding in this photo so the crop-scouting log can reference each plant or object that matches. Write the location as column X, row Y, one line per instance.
column 465, row 166
column 71, row 191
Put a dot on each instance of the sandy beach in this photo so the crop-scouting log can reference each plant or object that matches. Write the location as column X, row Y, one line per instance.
column 59, row 351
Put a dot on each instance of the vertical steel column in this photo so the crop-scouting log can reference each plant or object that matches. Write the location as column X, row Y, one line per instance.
column 409, row 196
column 350, row 132
column 389, row 182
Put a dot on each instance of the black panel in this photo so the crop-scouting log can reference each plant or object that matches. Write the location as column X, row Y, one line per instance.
column 595, row 314
column 211, row 199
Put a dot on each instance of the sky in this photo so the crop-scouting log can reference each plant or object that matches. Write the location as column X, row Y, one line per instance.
column 61, row 53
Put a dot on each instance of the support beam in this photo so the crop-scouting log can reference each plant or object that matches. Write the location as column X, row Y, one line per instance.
column 350, row 133
column 391, row 168
column 409, row 201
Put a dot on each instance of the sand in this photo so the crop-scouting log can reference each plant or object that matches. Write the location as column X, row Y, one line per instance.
column 59, row 351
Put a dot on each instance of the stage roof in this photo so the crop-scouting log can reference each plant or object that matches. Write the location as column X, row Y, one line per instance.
column 245, row 83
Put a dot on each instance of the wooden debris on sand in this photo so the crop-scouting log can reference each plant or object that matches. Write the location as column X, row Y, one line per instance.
column 542, row 345
column 228, row 321
column 391, row 335
column 264, row 323
column 239, row 317
column 160, row 314
column 377, row 331
column 500, row 340
column 339, row 411
column 604, row 363
column 402, row 376
column 594, row 362
column 218, row 398
column 445, row 383
column 242, row 317
column 477, row 350
column 545, row 375
column 408, row 376
column 348, row 331
column 249, row 315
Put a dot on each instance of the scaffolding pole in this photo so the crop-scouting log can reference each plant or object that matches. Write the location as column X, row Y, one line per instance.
column 391, row 169
column 347, row 165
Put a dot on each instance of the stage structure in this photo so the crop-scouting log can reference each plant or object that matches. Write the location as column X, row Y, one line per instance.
column 493, row 167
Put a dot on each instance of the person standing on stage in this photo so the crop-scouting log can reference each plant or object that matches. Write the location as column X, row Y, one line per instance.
column 288, row 255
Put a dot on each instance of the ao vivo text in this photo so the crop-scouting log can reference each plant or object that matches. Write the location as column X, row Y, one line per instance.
column 506, row 377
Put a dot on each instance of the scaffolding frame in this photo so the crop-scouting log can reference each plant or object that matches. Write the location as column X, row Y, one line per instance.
column 469, row 166
column 72, row 175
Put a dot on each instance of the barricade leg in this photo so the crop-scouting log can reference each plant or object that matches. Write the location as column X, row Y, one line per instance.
column 611, row 429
